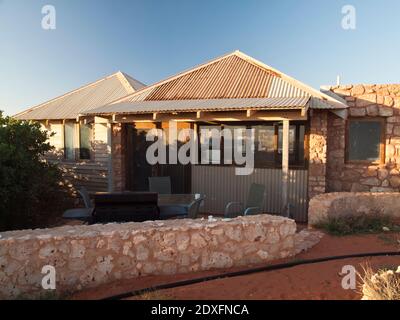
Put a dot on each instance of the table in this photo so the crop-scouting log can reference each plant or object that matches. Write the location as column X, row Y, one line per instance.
column 177, row 205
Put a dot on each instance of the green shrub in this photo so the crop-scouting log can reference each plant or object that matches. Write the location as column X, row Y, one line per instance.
column 360, row 224
column 30, row 190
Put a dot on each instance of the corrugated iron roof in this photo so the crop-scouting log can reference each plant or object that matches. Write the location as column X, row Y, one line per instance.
column 95, row 94
column 138, row 107
column 233, row 76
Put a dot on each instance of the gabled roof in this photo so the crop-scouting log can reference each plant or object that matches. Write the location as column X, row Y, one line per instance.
column 92, row 95
column 232, row 76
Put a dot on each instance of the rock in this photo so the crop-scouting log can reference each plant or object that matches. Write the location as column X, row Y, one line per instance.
column 357, row 90
column 182, row 241
column 370, row 181
column 77, row 250
column 385, row 111
column 356, row 187
column 382, row 173
column 358, row 112
column 263, row 254
column 233, row 234
column 366, row 100
column 47, row 251
column 372, row 110
column 142, row 253
column 197, row 241
column 394, row 181
column 388, row 101
column 217, row 260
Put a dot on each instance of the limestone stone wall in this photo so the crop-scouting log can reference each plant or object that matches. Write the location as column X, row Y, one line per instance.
column 342, row 204
column 365, row 101
column 317, row 152
column 86, row 256
column 118, row 150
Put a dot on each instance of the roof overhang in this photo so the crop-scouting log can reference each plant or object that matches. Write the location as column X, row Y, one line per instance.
column 205, row 105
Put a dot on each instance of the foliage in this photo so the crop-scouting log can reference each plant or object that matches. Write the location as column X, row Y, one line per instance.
column 383, row 285
column 360, row 224
column 29, row 186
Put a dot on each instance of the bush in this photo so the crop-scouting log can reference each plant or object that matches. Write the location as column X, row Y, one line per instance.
column 383, row 285
column 30, row 189
column 361, row 224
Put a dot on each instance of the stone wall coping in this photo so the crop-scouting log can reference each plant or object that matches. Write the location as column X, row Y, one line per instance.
column 96, row 230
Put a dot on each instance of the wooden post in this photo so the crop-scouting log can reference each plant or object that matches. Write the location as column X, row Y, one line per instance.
column 285, row 168
column 110, row 158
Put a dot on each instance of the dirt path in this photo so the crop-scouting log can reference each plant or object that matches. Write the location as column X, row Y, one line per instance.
column 316, row 281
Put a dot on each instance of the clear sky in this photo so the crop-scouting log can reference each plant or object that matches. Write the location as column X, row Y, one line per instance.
column 151, row 40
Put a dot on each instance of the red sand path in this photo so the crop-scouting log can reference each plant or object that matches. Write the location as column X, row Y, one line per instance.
column 315, row 281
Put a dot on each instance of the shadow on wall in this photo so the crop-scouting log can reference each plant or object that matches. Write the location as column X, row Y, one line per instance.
column 379, row 102
column 89, row 173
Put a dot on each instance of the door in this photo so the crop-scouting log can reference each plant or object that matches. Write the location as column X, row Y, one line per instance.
column 138, row 168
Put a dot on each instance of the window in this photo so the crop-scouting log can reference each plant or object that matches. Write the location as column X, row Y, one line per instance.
column 210, row 141
column 264, row 145
column 69, row 132
column 85, row 137
column 267, row 143
column 365, row 140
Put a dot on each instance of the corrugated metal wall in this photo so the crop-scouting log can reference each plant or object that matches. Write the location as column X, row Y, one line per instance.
column 220, row 186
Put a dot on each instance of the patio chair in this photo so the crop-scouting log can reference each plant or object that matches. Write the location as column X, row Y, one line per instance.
column 160, row 185
column 82, row 214
column 254, row 203
column 181, row 211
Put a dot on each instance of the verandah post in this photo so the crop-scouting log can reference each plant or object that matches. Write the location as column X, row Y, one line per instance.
column 285, row 168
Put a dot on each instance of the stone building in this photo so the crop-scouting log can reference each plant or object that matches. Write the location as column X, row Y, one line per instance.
column 363, row 151
column 306, row 142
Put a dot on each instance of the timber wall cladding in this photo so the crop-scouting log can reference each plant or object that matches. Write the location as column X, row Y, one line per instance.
column 88, row 256
column 92, row 174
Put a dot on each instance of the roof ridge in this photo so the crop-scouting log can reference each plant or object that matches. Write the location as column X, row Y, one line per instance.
column 305, row 87
column 127, row 76
column 88, row 85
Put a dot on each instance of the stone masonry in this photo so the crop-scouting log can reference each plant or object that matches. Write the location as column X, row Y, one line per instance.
column 317, row 153
column 345, row 204
column 87, row 256
column 365, row 101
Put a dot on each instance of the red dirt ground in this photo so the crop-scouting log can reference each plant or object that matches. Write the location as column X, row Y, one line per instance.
column 315, row 281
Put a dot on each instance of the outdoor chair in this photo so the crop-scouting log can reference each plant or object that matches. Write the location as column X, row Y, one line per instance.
column 254, row 203
column 82, row 214
column 125, row 207
column 181, row 211
column 161, row 185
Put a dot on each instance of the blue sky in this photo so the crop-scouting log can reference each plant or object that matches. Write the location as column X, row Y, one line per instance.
column 151, row 40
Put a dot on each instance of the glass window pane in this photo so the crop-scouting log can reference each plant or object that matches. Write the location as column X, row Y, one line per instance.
column 241, row 140
column 292, row 139
column 364, row 140
column 302, row 132
column 85, row 141
column 69, row 141
column 264, row 145
column 211, row 136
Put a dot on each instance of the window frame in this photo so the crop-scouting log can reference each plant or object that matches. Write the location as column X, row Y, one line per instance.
column 382, row 143
column 269, row 165
column 78, row 156
column 73, row 159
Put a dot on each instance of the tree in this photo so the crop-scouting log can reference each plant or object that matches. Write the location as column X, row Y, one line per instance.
column 29, row 186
